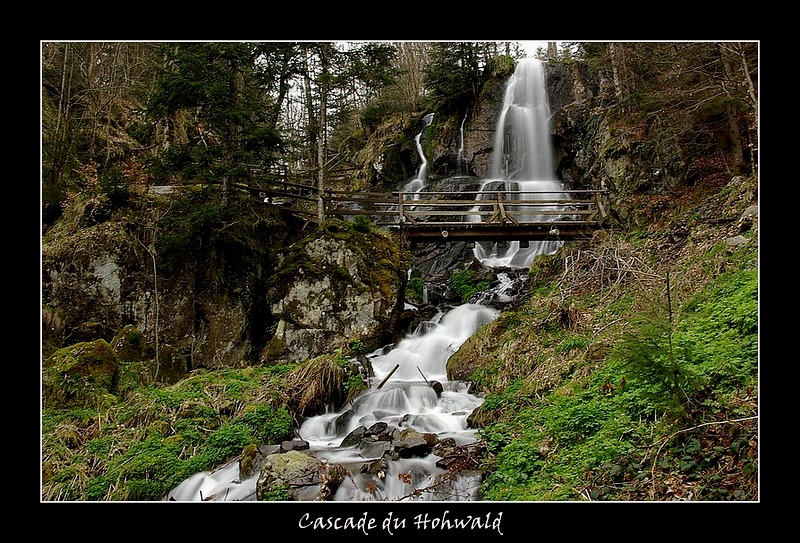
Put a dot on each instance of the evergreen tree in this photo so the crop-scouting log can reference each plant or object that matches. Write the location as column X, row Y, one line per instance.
column 217, row 121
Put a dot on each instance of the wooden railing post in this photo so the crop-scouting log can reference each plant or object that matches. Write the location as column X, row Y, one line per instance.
column 400, row 218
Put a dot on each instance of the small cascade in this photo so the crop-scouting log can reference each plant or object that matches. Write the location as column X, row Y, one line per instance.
column 409, row 392
column 462, row 170
column 420, row 181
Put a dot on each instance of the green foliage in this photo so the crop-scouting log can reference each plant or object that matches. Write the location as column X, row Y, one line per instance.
column 415, row 288
column 497, row 435
column 715, row 343
column 276, row 494
column 543, row 270
column 145, row 446
column 465, row 285
column 229, row 439
column 651, row 358
column 354, row 385
column 572, row 343
column 590, row 433
column 114, row 185
column 507, row 397
column 268, row 424
column 362, row 223
column 222, row 84
column 719, row 331
column 220, row 242
column 455, row 75
column 357, row 347
column 144, row 472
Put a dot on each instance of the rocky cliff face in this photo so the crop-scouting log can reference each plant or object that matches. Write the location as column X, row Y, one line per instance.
column 248, row 289
column 341, row 288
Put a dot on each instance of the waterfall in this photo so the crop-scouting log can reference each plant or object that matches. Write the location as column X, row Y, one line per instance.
column 421, row 179
column 406, row 401
column 522, row 160
column 403, row 395
column 408, row 388
column 462, row 161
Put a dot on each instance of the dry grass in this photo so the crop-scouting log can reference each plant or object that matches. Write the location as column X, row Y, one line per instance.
column 315, row 384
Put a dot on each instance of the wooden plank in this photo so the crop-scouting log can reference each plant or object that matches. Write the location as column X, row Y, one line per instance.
column 426, row 212
column 345, row 212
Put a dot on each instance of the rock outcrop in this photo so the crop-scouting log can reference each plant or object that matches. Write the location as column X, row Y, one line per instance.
column 251, row 290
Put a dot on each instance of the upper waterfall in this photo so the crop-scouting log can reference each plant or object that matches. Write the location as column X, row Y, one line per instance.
column 522, row 159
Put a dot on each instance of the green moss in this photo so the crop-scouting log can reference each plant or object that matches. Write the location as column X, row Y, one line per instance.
column 276, row 494
column 81, row 374
column 465, row 284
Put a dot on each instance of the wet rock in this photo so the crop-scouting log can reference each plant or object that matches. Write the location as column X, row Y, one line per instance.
column 330, row 477
column 354, row 438
column 343, row 420
column 378, row 432
column 293, row 471
column 480, row 418
column 373, row 449
column 411, row 443
column 294, row 445
column 378, row 467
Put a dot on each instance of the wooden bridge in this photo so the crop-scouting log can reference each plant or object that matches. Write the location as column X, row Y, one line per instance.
column 441, row 217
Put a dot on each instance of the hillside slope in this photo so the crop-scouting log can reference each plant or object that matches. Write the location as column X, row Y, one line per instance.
column 630, row 370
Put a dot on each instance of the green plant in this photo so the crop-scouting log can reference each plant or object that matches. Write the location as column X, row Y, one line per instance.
column 572, row 343
column 361, row 223
column 354, row 385
column 357, row 347
column 115, row 186
column 415, row 288
column 229, row 439
column 276, row 494
column 268, row 424
column 465, row 285
column 649, row 353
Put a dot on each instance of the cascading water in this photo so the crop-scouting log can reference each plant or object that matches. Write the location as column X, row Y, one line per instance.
column 522, row 160
column 409, row 390
column 421, row 179
column 407, row 400
column 462, row 161
column 403, row 395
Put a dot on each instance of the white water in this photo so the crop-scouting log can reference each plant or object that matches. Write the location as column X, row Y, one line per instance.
column 420, row 181
column 406, row 400
column 522, row 160
column 462, row 169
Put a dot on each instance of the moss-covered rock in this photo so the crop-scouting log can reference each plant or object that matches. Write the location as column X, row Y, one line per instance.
column 338, row 285
column 284, row 473
column 83, row 374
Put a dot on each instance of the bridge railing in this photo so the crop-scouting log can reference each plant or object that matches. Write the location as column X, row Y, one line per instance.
column 412, row 209
column 501, row 207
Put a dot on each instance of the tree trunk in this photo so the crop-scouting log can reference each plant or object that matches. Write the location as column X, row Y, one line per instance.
column 323, row 106
column 552, row 50
column 736, row 149
column 619, row 70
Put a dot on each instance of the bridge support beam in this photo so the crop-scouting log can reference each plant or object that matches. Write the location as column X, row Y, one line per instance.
column 492, row 233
